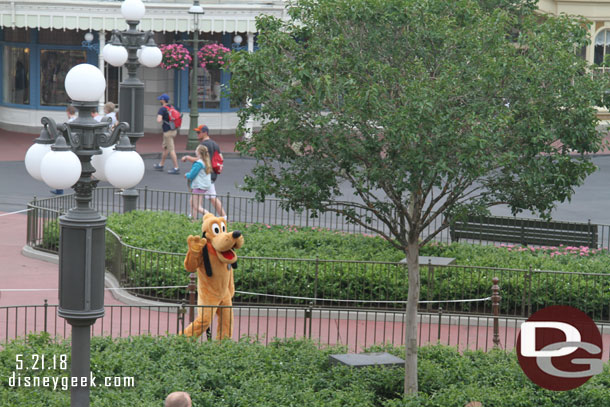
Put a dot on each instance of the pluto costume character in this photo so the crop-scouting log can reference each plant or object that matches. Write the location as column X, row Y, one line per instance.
column 214, row 258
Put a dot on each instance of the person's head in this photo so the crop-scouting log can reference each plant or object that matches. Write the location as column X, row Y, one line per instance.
column 71, row 111
column 109, row 107
column 203, row 153
column 178, row 399
column 94, row 112
column 164, row 99
column 202, row 131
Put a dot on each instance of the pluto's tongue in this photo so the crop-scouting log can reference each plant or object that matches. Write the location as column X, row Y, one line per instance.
column 228, row 255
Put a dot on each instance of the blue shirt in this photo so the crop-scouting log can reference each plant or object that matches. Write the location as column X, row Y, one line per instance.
column 199, row 179
column 165, row 113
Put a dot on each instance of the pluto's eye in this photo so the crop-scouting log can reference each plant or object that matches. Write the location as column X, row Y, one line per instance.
column 215, row 228
column 224, row 227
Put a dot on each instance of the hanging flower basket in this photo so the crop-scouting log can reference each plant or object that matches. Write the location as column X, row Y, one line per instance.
column 213, row 56
column 175, row 56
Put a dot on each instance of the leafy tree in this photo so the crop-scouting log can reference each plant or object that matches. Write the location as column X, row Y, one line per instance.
column 429, row 109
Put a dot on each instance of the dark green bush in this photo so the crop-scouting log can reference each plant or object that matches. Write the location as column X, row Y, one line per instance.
column 286, row 373
column 167, row 232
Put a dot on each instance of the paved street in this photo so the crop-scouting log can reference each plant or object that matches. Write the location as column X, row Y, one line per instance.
column 17, row 188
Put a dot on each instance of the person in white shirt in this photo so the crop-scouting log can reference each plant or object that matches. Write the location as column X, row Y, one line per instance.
column 109, row 112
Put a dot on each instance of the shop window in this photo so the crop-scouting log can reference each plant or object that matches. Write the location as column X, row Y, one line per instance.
column 16, row 79
column 208, row 89
column 602, row 47
column 54, row 66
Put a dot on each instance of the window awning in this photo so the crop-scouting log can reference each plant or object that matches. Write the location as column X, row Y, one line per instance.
column 160, row 17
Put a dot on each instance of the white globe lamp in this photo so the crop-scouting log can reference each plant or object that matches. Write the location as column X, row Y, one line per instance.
column 106, row 51
column 60, row 169
column 99, row 163
column 115, row 55
column 151, row 56
column 85, row 83
column 133, row 10
column 124, row 169
column 33, row 159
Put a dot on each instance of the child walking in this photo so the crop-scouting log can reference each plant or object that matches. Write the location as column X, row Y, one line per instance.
column 200, row 179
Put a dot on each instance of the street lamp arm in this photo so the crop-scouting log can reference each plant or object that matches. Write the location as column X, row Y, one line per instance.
column 122, row 127
column 51, row 127
column 149, row 39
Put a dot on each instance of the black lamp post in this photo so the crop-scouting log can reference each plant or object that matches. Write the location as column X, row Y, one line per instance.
column 191, row 143
column 62, row 158
column 132, row 48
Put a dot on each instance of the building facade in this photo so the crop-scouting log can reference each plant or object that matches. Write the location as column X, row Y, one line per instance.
column 40, row 40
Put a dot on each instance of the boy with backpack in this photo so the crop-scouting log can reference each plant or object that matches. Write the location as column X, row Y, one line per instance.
column 217, row 162
column 170, row 121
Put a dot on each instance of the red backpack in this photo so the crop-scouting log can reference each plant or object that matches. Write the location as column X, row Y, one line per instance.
column 175, row 117
column 217, row 162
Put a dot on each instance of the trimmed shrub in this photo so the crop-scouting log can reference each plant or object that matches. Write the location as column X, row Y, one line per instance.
column 284, row 373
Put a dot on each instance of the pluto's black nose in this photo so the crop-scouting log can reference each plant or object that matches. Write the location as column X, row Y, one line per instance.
column 236, row 234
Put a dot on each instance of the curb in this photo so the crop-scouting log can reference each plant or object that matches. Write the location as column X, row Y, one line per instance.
column 182, row 154
column 110, row 281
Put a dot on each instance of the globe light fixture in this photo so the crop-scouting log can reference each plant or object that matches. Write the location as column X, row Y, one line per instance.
column 99, row 163
column 115, row 55
column 124, row 168
column 85, row 83
column 150, row 55
column 70, row 163
column 60, row 168
column 133, row 10
column 89, row 37
column 35, row 154
column 132, row 48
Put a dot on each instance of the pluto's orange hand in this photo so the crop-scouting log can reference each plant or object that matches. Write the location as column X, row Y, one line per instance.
column 196, row 243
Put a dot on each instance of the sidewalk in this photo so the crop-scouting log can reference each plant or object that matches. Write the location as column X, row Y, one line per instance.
column 35, row 280
column 13, row 145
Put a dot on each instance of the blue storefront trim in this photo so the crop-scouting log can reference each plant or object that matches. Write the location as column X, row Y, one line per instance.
column 34, row 74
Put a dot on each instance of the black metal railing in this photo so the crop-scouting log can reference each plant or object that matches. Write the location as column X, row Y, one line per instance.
column 328, row 283
column 355, row 329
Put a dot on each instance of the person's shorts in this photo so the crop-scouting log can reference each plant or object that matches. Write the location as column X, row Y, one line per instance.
column 168, row 140
column 208, row 193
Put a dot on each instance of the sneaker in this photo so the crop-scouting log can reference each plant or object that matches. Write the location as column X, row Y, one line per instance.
column 158, row 167
column 174, row 171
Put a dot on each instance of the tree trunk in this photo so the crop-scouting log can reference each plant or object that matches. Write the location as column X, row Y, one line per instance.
column 411, row 318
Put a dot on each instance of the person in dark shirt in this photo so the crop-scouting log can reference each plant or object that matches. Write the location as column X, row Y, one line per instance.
column 168, row 137
column 205, row 140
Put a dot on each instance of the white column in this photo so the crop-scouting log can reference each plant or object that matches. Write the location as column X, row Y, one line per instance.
column 249, row 122
column 250, row 42
column 100, row 64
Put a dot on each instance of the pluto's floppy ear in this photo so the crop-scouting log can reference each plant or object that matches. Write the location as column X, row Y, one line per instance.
column 234, row 265
column 206, row 261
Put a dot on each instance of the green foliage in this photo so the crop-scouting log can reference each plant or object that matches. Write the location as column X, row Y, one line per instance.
column 167, row 232
column 284, row 373
column 464, row 110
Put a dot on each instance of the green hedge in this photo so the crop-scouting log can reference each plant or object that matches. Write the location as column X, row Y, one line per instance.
column 287, row 373
column 167, row 232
